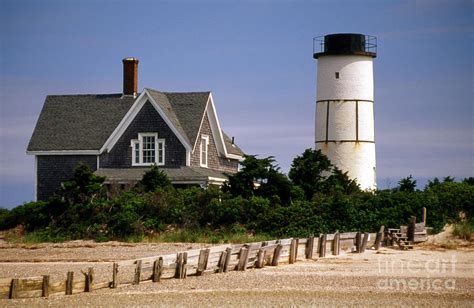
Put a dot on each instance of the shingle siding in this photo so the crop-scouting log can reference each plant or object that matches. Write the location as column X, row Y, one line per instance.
column 52, row 170
column 214, row 161
column 148, row 120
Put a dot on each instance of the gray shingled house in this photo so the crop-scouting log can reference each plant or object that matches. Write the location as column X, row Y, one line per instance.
column 121, row 135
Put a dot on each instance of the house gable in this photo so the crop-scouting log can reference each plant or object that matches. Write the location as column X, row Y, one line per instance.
column 215, row 160
column 146, row 120
column 144, row 98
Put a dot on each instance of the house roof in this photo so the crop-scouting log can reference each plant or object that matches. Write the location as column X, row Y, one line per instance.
column 176, row 175
column 85, row 122
column 78, row 122
column 185, row 110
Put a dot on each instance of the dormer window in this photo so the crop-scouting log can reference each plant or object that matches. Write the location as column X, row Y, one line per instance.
column 204, row 150
column 148, row 150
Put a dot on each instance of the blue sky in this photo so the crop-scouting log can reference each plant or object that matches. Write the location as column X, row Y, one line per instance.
column 256, row 58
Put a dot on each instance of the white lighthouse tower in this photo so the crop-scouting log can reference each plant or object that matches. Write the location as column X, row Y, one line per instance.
column 345, row 104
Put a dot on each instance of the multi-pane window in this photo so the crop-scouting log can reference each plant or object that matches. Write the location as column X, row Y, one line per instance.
column 148, row 144
column 204, row 150
column 148, row 150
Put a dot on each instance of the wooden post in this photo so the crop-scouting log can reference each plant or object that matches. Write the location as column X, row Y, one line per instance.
column 364, row 242
column 243, row 259
column 138, row 271
column 179, row 264
column 113, row 284
column 276, row 255
column 69, row 281
column 322, row 245
column 45, row 286
column 358, row 241
column 221, row 264
column 89, row 280
column 411, row 229
column 157, row 269
column 184, row 268
column 202, row 262
column 336, row 244
column 292, row 258
column 260, row 262
column 14, row 288
column 309, row 247
column 423, row 215
column 228, row 251
column 297, row 243
column 378, row 238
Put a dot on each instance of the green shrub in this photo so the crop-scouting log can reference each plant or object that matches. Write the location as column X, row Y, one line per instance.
column 464, row 229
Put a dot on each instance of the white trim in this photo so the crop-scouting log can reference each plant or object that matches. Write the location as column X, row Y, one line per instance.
column 237, row 157
column 98, row 162
column 188, row 158
column 213, row 179
column 134, row 142
column 36, row 178
column 162, row 141
column 204, row 138
column 130, row 116
column 64, row 152
column 216, row 127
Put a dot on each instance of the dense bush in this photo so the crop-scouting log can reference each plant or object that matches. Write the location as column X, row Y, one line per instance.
column 259, row 199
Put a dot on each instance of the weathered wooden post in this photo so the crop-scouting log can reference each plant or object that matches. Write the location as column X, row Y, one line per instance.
column 276, row 255
column 309, row 247
column 179, row 265
column 336, row 244
column 411, row 229
column 90, row 279
column 243, row 259
column 14, row 288
column 364, row 242
column 228, row 251
column 114, row 282
column 138, row 271
column 45, row 286
column 202, row 261
column 358, row 241
column 69, row 281
column 378, row 238
column 423, row 215
column 322, row 245
column 157, row 269
column 184, row 268
column 293, row 251
column 260, row 262
column 221, row 263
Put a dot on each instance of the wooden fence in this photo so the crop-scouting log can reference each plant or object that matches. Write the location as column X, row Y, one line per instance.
column 216, row 259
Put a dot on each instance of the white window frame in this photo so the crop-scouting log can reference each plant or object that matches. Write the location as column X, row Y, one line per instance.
column 204, row 138
column 139, row 141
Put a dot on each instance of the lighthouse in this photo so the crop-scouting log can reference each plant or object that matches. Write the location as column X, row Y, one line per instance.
column 345, row 104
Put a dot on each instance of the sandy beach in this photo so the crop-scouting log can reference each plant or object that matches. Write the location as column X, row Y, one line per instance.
column 425, row 276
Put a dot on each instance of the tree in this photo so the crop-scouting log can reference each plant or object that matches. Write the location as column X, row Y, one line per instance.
column 153, row 179
column 314, row 172
column 83, row 187
column 469, row 180
column 260, row 177
column 310, row 170
column 407, row 184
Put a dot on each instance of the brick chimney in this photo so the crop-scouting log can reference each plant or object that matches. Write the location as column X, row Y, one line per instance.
column 130, row 76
